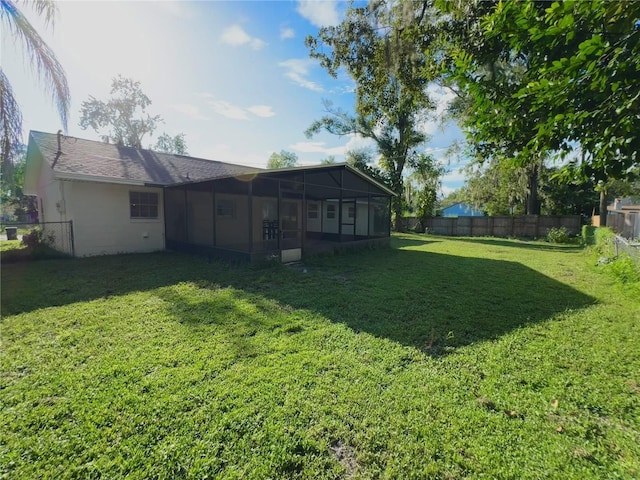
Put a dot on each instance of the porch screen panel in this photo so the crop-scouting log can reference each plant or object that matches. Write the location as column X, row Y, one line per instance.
column 174, row 214
column 200, row 217
column 379, row 217
column 232, row 222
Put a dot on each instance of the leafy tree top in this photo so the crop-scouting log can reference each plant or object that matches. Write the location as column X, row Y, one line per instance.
column 123, row 118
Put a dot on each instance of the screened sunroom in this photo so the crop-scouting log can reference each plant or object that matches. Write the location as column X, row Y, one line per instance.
column 285, row 213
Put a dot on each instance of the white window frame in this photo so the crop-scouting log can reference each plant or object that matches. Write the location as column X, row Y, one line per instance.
column 143, row 205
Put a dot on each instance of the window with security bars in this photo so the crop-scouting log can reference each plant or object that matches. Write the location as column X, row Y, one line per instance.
column 143, row 204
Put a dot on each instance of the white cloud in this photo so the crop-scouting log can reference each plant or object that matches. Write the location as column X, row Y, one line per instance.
column 235, row 112
column 236, row 36
column 263, row 111
column 298, row 70
column 317, row 147
column 177, row 9
column 287, row 33
column 226, row 153
column 456, row 175
column 356, row 142
column 188, row 110
column 321, row 13
column 441, row 96
column 228, row 110
column 444, row 191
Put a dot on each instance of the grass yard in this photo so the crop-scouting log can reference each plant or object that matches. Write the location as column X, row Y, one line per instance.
column 438, row 358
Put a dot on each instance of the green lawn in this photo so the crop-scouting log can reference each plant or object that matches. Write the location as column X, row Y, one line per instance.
column 438, row 358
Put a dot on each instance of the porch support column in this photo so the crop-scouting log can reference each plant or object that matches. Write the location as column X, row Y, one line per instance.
column 340, row 206
column 186, row 216
column 279, row 222
column 389, row 222
column 303, row 233
column 213, row 201
column 369, row 215
column 250, row 197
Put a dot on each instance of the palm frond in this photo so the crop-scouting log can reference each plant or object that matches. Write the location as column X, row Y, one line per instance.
column 10, row 125
column 42, row 58
column 47, row 9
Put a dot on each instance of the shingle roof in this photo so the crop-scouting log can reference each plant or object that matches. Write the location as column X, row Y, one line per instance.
column 98, row 159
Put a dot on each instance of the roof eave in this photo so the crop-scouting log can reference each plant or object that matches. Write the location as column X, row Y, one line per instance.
column 99, row 179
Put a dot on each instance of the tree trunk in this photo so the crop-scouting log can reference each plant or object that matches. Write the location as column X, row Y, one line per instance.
column 603, row 207
column 396, row 207
column 533, row 202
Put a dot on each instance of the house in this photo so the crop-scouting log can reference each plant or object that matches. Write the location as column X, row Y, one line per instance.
column 624, row 217
column 461, row 209
column 123, row 200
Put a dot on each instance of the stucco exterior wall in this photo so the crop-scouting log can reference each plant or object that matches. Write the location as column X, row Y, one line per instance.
column 102, row 222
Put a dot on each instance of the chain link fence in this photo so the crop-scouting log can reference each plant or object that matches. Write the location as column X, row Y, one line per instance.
column 57, row 235
column 629, row 247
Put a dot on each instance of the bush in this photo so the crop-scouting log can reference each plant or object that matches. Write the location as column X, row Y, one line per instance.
column 558, row 235
column 588, row 234
column 36, row 246
column 622, row 268
column 35, row 238
column 625, row 269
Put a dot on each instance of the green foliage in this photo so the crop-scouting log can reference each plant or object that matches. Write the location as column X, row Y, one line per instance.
column 330, row 160
column 624, row 269
column 43, row 63
column 176, row 145
column 604, row 238
column 588, row 235
column 558, row 235
column 36, row 238
column 579, row 83
column 391, row 93
column 422, row 186
column 123, row 118
column 620, row 266
column 33, row 246
column 165, row 366
column 283, row 159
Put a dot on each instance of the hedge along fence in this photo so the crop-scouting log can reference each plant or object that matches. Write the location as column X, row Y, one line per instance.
column 532, row 226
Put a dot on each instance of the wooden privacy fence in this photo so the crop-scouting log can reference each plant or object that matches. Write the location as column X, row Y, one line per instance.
column 532, row 226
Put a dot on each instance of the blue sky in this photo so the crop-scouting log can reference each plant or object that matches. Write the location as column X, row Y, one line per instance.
column 234, row 77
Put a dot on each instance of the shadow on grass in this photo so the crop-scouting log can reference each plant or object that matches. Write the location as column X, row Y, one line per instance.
column 530, row 245
column 434, row 302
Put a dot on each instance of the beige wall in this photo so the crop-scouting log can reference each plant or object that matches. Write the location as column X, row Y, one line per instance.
column 102, row 223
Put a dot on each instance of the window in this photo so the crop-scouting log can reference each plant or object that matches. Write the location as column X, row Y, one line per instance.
column 226, row 208
column 312, row 210
column 331, row 211
column 143, row 204
column 351, row 212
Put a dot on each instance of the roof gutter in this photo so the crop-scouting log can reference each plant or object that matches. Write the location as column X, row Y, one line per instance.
column 96, row 178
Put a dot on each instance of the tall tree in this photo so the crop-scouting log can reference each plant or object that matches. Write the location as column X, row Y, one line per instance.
column 581, row 83
column 424, row 184
column 123, row 118
column 283, row 159
column 168, row 144
column 391, row 96
column 46, row 67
